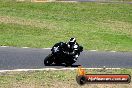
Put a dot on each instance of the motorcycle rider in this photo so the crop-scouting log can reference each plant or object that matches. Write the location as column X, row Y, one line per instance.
column 71, row 48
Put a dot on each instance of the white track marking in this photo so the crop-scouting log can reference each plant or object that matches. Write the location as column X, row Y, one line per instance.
column 92, row 50
column 25, row 47
column 112, row 51
column 50, row 48
column 4, row 46
column 46, row 48
column 49, row 69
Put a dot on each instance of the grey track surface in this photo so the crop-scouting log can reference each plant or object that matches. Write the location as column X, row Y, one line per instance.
column 31, row 58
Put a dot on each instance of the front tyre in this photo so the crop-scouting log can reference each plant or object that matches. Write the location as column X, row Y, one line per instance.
column 68, row 63
column 57, row 62
column 48, row 60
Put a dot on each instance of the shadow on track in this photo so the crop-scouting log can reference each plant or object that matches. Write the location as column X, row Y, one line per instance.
column 64, row 65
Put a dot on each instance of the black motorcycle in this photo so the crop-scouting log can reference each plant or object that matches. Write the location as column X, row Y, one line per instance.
column 60, row 56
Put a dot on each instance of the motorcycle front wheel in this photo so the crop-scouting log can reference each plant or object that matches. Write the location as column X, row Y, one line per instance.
column 68, row 63
column 48, row 60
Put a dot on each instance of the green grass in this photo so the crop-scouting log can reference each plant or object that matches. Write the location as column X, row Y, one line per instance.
column 95, row 25
column 50, row 79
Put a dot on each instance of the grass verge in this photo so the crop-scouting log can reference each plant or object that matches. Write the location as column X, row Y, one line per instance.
column 95, row 25
column 50, row 79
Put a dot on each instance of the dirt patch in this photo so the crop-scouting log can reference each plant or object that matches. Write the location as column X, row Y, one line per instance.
column 33, row 23
column 117, row 26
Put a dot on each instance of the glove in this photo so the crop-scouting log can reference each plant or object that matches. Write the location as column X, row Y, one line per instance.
column 56, row 49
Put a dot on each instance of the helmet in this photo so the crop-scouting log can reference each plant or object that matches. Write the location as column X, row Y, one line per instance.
column 72, row 41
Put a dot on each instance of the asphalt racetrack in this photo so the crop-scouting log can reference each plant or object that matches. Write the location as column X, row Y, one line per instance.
column 32, row 58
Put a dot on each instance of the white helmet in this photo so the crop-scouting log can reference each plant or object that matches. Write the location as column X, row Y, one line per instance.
column 72, row 41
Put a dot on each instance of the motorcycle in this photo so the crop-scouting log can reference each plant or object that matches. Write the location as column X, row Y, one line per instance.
column 59, row 56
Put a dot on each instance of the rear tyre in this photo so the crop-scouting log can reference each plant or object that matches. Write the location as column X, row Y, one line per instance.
column 48, row 60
